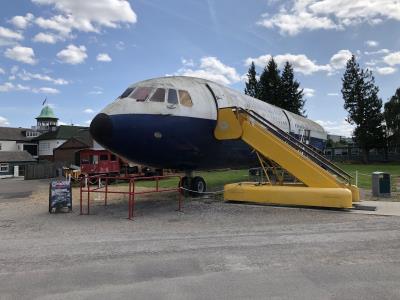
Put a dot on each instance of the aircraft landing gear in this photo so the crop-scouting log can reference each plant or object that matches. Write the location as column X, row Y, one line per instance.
column 193, row 186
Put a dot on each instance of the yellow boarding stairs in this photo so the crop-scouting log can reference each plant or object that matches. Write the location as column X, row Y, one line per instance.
column 321, row 183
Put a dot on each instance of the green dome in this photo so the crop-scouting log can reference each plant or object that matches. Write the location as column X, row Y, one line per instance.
column 47, row 113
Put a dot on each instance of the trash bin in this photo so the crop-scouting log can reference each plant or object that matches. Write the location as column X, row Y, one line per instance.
column 380, row 184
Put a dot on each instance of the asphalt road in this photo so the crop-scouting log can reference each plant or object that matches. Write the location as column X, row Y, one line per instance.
column 212, row 250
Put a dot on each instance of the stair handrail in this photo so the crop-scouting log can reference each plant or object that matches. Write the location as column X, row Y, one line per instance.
column 311, row 153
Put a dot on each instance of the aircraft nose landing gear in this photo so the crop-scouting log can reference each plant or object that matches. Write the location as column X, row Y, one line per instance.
column 193, row 186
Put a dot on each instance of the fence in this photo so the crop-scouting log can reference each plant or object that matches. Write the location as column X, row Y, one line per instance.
column 354, row 154
column 87, row 187
column 42, row 170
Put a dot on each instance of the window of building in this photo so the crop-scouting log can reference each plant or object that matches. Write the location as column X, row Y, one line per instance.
column 185, row 98
column 172, row 97
column 141, row 93
column 113, row 157
column 44, row 146
column 127, row 92
column 93, row 159
column 158, row 96
column 103, row 157
column 4, row 168
column 0, row 146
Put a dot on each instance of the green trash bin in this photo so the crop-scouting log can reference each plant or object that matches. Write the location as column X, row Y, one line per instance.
column 380, row 184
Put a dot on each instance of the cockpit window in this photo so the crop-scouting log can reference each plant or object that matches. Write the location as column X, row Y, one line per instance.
column 172, row 97
column 158, row 96
column 185, row 99
column 141, row 93
column 127, row 92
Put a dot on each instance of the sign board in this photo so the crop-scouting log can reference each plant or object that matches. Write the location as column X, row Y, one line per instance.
column 60, row 195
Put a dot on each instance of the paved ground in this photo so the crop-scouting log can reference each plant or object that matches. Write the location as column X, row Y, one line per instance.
column 213, row 250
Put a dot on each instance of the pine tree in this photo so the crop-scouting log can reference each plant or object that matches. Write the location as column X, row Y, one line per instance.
column 292, row 95
column 270, row 84
column 364, row 106
column 252, row 82
column 392, row 118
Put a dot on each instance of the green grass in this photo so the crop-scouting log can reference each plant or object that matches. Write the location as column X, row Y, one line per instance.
column 364, row 172
column 216, row 179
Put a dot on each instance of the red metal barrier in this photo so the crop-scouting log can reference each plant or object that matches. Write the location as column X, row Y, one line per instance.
column 131, row 190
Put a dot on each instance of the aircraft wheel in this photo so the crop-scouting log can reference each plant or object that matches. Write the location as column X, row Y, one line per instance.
column 198, row 186
column 185, row 183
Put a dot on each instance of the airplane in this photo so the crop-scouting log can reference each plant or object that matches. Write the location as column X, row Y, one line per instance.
column 169, row 123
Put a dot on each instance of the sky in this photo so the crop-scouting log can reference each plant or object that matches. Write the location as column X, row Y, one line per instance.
column 80, row 55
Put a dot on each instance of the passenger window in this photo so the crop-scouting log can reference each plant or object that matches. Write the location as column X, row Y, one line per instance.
column 127, row 92
column 141, row 93
column 158, row 96
column 113, row 157
column 185, row 99
column 172, row 97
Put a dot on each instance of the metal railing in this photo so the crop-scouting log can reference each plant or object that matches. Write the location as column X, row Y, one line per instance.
column 304, row 149
column 87, row 187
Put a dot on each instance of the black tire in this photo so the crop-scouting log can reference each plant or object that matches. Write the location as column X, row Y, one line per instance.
column 198, row 186
column 185, row 183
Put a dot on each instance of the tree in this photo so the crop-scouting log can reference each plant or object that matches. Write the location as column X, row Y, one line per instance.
column 292, row 95
column 270, row 84
column 363, row 105
column 392, row 117
column 252, row 82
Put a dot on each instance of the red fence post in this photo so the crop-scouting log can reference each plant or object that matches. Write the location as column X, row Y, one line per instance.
column 105, row 197
column 133, row 198
column 88, row 196
column 129, row 201
column 80, row 202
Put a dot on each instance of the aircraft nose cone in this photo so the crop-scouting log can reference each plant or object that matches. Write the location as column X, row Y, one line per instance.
column 101, row 128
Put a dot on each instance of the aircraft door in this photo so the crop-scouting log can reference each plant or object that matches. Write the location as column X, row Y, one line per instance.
column 221, row 98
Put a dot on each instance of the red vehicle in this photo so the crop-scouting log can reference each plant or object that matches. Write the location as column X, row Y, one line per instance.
column 97, row 162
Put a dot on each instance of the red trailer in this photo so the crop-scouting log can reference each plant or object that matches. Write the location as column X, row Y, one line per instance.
column 96, row 162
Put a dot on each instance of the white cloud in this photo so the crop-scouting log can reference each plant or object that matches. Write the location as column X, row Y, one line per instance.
column 342, row 128
column 22, row 21
column 9, row 37
column 47, row 38
column 380, row 51
column 96, row 91
column 371, row 43
column 103, row 57
column 87, row 16
column 45, row 90
column 24, row 75
column 333, row 94
column 120, row 45
column 22, row 54
column 10, row 87
column 386, row 70
column 88, row 111
column 300, row 62
column 308, row 92
column 301, row 15
column 4, row 121
column 2, row 71
column 72, row 54
column 339, row 60
column 392, row 59
column 88, row 122
column 210, row 68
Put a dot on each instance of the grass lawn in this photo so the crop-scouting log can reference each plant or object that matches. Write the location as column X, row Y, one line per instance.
column 216, row 179
column 365, row 171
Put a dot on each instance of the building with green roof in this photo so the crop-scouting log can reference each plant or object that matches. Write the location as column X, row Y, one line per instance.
column 46, row 121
